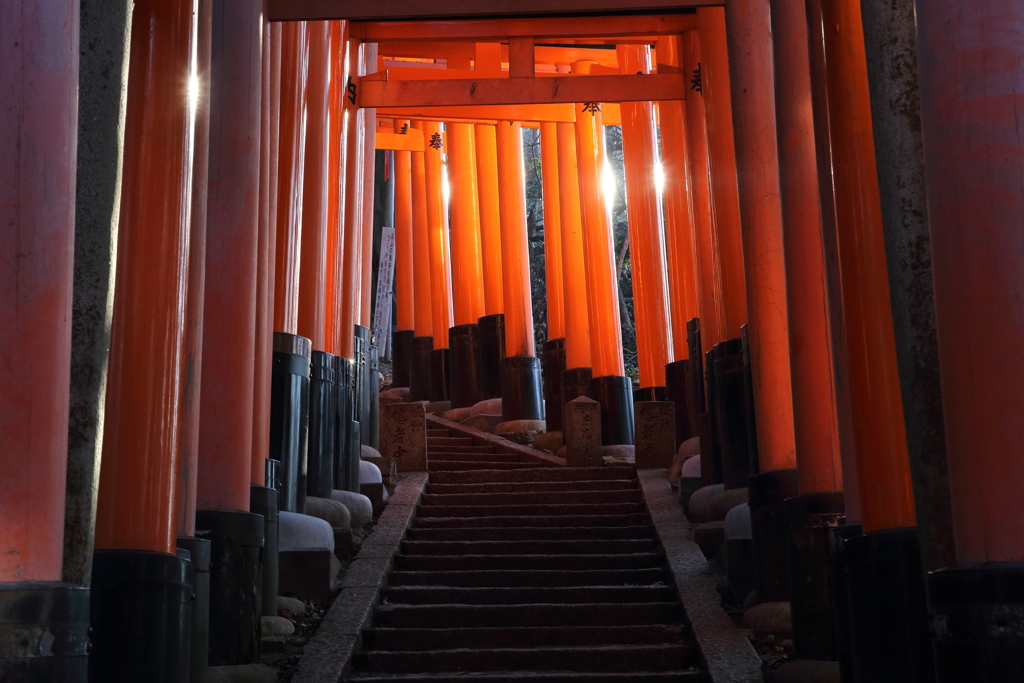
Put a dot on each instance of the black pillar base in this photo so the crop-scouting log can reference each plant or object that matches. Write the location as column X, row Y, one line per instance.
column 263, row 502
column 439, row 387
column 464, row 368
column 615, row 394
column 889, row 636
column 731, row 414
column 289, row 416
column 199, row 553
column 977, row 632
column 39, row 611
column 236, row 584
column 521, row 397
column 141, row 612
column 371, row 397
column 768, row 523
column 811, row 517
column 401, row 357
column 677, row 380
column 419, row 373
column 362, row 405
column 695, row 397
column 323, row 425
column 552, row 367
column 345, row 377
column 748, row 401
column 837, row 539
column 353, row 456
column 650, row 394
column 492, row 352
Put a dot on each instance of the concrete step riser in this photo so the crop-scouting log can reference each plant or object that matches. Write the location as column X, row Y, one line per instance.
column 543, row 498
column 532, row 578
column 541, row 474
column 535, row 487
column 437, row 466
column 550, row 636
column 527, row 510
column 434, row 450
column 427, row 595
column 448, row 441
column 473, row 616
column 563, row 562
column 531, row 534
column 602, row 521
column 527, row 547
column 545, row 677
column 580, row 659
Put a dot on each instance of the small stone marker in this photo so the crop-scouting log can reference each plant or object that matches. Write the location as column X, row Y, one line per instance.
column 403, row 436
column 582, row 432
column 655, row 433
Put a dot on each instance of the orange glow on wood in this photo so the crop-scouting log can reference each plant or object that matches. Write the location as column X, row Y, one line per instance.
column 602, row 290
column 677, row 193
column 515, row 255
column 650, row 278
column 552, row 230
column 410, row 141
column 574, row 282
column 467, row 262
column 351, row 275
column 490, row 217
column 138, row 485
column 437, row 231
column 887, row 499
column 335, row 189
column 313, row 258
column 722, row 165
column 290, row 169
column 527, row 114
column 404, row 251
column 365, row 316
column 757, row 155
column 421, row 244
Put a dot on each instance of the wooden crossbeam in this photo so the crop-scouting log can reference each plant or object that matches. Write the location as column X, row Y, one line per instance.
column 484, row 30
column 509, row 91
column 527, row 113
column 410, row 141
column 381, row 10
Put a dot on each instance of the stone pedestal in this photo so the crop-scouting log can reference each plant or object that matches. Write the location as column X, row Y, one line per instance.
column 583, row 432
column 403, row 436
column 655, row 433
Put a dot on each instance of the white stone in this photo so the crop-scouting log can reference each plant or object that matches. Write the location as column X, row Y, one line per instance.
column 293, row 605
column 358, row 505
column 302, row 532
column 491, row 406
column 737, row 522
column 369, row 473
column 331, row 511
column 276, row 626
column 368, row 452
column 691, row 467
column 689, row 447
column 700, row 499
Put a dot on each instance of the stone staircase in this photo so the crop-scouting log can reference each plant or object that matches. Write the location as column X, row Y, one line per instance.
column 513, row 572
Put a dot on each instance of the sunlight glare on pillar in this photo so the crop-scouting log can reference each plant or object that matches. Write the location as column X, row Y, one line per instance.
column 609, row 185
column 659, row 178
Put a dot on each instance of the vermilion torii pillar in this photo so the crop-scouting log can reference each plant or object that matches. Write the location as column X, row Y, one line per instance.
column 715, row 89
column 351, row 274
column 440, row 259
column 423, row 343
column 886, row 495
column 650, row 279
column 405, row 254
column 492, row 325
column 135, row 527
column 971, row 101
column 467, row 265
column 521, row 394
column 553, row 353
column 609, row 385
column 38, row 142
column 576, row 378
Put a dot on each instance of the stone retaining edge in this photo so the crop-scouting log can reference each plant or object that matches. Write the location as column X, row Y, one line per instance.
column 327, row 658
column 728, row 653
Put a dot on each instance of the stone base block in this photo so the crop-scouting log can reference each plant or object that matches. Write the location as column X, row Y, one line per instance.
column 484, row 422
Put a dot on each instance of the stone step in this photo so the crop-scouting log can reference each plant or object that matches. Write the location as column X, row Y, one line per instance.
column 438, row 432
column 434, row 466
column 473, row 616
column 530, row 533
column 535, row 486
column 535, row 474
column 532, row 577
column 434, row 450
column 503, row 547
column 458, row 456
column 433, row 441
column 527, row 521
column 522, row 595
column 533, row 498
column 407, row 639
column 655, row 657
column 559, row 562
column 535, row 510
column 691, row 676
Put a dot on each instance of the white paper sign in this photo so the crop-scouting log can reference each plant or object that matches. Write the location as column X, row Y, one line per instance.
column 385, row 274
